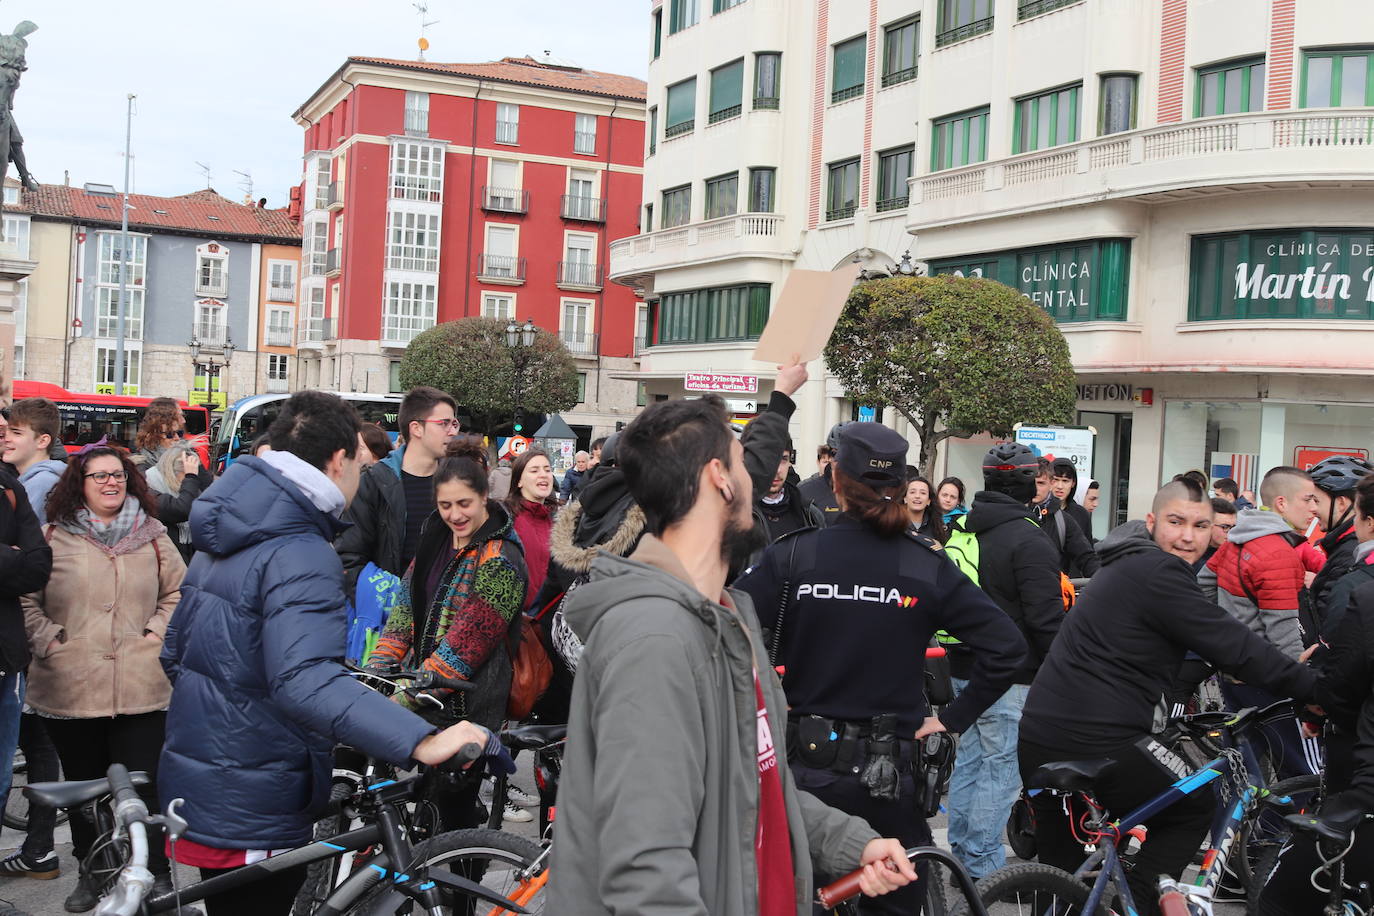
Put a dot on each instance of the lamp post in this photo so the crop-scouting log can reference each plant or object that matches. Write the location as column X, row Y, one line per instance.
column 519, row 338
column 212, row 365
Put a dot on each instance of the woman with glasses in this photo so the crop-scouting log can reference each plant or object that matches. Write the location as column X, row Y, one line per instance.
column 164, row 429
column 96, row 632
column 175, row 478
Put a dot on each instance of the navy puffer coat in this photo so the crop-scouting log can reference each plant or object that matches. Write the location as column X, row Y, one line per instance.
column 254, row 653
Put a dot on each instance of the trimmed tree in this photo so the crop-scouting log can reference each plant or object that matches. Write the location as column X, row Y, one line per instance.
column 469, row 359
column 955, row 356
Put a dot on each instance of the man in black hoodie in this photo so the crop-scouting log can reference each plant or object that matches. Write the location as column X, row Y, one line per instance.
column 1119, row 648
column 1077, row 557
column 1018, row 568
column 1336, row 478
column 1064, row 486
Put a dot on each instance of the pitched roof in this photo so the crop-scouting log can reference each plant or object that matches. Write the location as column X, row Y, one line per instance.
column 527, row 71
column 203, row 213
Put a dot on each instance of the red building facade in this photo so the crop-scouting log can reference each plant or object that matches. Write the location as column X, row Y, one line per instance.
column 436, row 191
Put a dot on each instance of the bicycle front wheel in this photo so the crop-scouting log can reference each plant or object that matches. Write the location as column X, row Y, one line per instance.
column 1266, row 829
column 1023, row 889
column 499, row 861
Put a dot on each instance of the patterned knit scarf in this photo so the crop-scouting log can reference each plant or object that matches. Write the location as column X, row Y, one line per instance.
column 130, row 517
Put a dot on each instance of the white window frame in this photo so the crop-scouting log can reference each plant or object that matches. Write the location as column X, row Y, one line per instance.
column 581, row 343
column 11, row 194
column 107, row 313
column 321, row 169
column 584, row 134
column 281, row 289
column 315, row 246
column 212, row 323
column 212, row 274
column 507, row 123
column 417, row 113
column 417, row 170
column 408, row 308
column 409, row 245
column 133, row 368
column 284, row 362
column 21, row 325
column 284, row 326
column 641, row 338
column 16, row 243
column 506, row 314
column 486, row 248
column 311, row 326
column 107, row 272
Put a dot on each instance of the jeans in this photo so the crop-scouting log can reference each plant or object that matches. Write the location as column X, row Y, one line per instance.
column 11, row 707
column 985, row 783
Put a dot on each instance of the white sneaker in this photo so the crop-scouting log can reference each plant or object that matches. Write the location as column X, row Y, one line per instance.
column 516, row 815
column 518, row 796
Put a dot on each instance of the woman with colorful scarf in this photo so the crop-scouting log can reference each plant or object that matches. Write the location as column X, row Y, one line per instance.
column 459, row 605
column 96, row 630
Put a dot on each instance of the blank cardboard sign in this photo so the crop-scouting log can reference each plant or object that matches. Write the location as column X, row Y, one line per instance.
column 805, row 314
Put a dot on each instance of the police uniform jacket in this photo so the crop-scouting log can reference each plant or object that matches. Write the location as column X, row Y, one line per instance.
column 861, row 611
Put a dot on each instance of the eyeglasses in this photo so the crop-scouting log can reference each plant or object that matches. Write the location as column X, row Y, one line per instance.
column 175, row 434
column 446, row 424
column 107, row 476
column 1224, row 527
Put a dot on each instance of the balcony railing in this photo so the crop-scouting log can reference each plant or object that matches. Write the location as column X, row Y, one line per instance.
column 309, row 332
column 578, row 342
column 892, row 203
column 331, row 328
column 641, row 344
column 746, row 234
column 959, row 33
column 507, row 131
column 725, row 114
column 585, row 209
column 904, row 75
column 279, row 337
column 277, row 386
column 333, row 265
column 848, row 92
column 417, row 122
column 335, row 199
column 211, row 333
column 505, row 200
column 578, row 275
column 679, row 129
column 844, row 212
column 501, row 268
column 765, row 103
column 216, row 287
column 1026, row 9
column 1224, row 151
column 281, row 292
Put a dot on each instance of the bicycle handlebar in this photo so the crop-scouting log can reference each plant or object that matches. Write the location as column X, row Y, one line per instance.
column 394, row 675
column 847, row 887
column 135, row 881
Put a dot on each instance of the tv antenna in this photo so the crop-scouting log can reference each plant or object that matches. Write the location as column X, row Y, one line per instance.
column 204, row 170
column 422, row 8
column 246, row 185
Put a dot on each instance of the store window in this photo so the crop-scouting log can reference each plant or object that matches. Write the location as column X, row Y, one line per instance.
column 1338, row 79
column 1230, row 88
column 959, row 139
column 1285, row 273
column 1218, row 438
column 1047, row 119
column 1077, row 281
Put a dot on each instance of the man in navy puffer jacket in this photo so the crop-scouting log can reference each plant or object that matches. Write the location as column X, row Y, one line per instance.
column 254, row 653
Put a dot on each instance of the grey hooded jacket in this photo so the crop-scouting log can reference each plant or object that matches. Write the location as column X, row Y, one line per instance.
column 659, row 793
column 38, row 482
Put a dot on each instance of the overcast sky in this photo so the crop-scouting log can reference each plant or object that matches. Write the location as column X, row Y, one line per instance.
column 217, row 82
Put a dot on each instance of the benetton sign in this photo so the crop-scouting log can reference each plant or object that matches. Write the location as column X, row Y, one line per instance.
column 725, row 383
column 1283, row 273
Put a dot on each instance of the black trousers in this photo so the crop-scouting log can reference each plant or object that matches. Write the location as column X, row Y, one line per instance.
column 898, row 819
column 1137, row 776
column 1291, row 752
column 87, row 747
column 1288, row 889
column 43, row 766
column 273, row 896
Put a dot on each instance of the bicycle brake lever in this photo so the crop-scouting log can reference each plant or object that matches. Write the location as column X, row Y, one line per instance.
column 173, row 822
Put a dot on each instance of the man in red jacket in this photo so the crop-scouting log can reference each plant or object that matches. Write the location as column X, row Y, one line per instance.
column 1258, row 577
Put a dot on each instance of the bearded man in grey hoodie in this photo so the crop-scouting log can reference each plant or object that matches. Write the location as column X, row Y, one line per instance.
column 673, row 797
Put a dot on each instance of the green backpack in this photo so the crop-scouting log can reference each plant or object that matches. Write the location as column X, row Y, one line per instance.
column 962, row 548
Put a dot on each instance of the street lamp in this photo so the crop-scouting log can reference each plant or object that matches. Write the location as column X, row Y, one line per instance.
column 212, row 364
column 519, row 339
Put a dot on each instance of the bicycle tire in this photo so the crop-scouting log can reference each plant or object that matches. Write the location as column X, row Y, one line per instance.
column 1266, row 864
column 1032, row 888
column 1266, row 828
column 319, row 880
column 1021, row 830
column 480, row 849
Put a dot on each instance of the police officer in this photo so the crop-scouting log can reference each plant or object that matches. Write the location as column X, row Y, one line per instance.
column 820, row 489
column 849, row 610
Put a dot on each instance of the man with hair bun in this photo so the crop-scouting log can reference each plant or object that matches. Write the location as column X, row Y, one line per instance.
column 1116, row 654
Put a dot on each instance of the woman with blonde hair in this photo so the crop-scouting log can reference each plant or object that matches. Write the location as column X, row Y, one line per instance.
column 168, row 478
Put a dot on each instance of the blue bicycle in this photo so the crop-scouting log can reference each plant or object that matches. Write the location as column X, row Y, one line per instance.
column 1099, row 885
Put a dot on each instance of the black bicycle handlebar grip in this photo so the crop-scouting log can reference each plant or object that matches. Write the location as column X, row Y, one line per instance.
column 121, row 786
column 430, row 680
column 466, row 754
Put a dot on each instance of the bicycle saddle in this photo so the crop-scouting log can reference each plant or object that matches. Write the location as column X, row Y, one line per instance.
column 73, row 794
column 533, row 737
column 1336, row 820
column 1068, row 775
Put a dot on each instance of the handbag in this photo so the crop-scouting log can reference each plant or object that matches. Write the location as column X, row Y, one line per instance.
column 532, row 670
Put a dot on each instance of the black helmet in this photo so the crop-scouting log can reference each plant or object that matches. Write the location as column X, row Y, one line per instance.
column 833, row 439
column 608, row 449
column 1011, row 468
column 1339, row 473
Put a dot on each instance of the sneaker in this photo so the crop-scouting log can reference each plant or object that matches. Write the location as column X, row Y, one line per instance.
column 16, row 864
column 518, row 796
column 515, row 815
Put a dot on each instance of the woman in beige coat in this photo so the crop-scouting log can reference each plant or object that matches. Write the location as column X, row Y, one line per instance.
column 96, row 632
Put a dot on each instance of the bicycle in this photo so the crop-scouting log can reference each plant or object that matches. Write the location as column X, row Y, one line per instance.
column 1334, row 841
column 1043, row 888
column 16, row 814
column 546, row 742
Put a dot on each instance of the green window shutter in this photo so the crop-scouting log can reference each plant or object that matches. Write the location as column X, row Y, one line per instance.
column 847, row 79
column 727, row 90
column 682, row 103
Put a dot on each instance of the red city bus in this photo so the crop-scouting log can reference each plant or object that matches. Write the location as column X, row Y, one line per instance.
column 87, row 417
